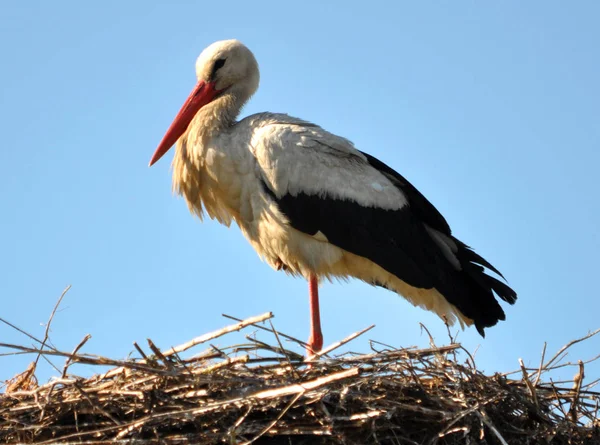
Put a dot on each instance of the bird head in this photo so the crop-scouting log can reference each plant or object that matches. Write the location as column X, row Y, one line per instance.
column 226, row 67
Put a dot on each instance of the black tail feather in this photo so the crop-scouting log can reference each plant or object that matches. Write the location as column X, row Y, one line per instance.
column 470, row 255
column 483, row 307
column 501, row 289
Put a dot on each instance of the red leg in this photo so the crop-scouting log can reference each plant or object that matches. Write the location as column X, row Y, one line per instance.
column 315, row 341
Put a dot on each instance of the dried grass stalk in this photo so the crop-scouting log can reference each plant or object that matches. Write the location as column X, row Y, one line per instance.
column 266, row 394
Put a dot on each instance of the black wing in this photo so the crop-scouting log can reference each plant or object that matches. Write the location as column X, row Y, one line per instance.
column 419, row 204
column 401, row 242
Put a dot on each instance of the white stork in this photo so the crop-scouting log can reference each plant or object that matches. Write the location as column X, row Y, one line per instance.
column 313, row 205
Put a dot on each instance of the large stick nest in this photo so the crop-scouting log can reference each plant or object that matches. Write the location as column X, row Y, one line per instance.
column 262, row 393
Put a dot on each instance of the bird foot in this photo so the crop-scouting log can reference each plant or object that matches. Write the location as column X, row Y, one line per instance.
column 315, row 343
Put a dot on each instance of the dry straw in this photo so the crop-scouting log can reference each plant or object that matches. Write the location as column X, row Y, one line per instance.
column 261, row 392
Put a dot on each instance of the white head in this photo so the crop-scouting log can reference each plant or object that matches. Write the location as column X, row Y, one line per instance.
column 225, row 70
column 229, row 64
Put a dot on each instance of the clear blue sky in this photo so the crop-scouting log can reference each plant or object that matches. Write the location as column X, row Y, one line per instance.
column 490, row 108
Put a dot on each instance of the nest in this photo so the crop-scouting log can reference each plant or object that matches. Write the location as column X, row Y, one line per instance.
column 260, row 392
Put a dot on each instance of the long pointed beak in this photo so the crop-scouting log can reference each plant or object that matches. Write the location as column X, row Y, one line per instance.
column 202, row 94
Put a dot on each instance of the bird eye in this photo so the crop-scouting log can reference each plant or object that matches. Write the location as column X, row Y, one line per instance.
column 218, row 64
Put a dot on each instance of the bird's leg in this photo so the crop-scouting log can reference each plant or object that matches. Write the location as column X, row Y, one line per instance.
column 315, row 341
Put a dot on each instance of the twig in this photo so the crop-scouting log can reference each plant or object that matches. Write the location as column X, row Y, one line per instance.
column 89, row 359
column 74, row 353
column 227, row 362
column 23, row 380
column 484, row 417
column 212, row 335
column 306, row 386
column 47, row 332
column 159, row 354
column 141, row 351
column 460, row 416
column 567, row 346
column 472, row 364
column 528, row 383
column 539, row 371
column 283, row 350
column 277, row 419
column 232, row 430
column 288, row 337
column 431, row 341
column 95, row 405
column 558, row 399
column 24, row 332
column 385, row 345
column 577, row 381
column 336, row 345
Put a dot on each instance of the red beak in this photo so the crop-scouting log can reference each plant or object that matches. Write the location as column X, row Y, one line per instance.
column 203, row 93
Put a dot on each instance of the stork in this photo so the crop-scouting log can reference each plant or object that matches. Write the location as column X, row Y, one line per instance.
column 313, row 205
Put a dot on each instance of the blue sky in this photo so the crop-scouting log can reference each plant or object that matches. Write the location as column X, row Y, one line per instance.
column 491, row 109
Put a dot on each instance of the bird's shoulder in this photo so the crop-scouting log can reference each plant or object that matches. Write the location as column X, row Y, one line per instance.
column 276, row 132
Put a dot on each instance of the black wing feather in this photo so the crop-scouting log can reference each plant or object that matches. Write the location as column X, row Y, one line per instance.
column 420, row 205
